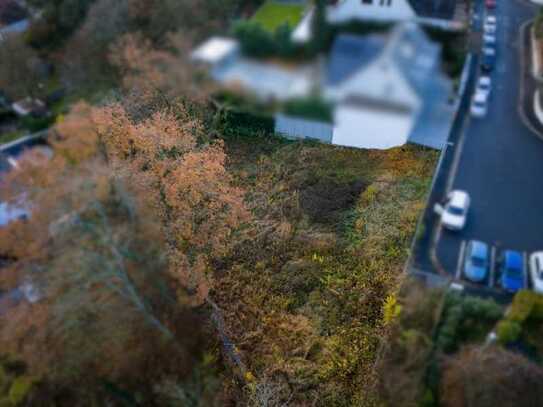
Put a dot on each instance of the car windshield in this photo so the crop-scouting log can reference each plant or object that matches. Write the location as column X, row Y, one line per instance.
column 477, row 261
column 455, row 210
column 513, row 271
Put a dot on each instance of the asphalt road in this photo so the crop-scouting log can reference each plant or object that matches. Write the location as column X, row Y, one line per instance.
column 500, row 159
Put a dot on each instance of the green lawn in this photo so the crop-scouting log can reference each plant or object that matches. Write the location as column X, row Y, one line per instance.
column 272, row 14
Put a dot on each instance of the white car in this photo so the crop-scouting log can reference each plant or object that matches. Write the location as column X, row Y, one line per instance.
column 489, row 51
column 491, row 20
column 455, row 212
column 479, row 105
column 536, row 271
column 490, row 29
column 489, row 39
column 484, row 85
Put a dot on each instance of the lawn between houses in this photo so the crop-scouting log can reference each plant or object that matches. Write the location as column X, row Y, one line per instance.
column 303, row 297
column 273, row 13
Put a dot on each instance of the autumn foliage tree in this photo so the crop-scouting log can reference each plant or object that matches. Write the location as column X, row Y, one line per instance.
column 187, row 183
column 126, row 220
column 490, row 376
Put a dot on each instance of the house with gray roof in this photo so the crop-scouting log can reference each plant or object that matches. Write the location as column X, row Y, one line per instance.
column 388, row 90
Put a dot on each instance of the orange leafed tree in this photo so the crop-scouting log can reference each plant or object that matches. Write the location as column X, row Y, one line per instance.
column 161, row 159
column 188, row 184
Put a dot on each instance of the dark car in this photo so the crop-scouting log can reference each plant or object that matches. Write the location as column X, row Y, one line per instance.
column 488, row 59
column 476, row 261
column 490, row 4
column 512, row 271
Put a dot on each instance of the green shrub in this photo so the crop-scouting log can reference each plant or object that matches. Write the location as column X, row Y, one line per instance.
column 283, row 43
column 241, row 123
column 428, row 399
column 310, row 108
column 479, row 308
column 255, row 41
column 508, row 331
column 447, row 337
column 20, row 389
column 34, row 124
column 522, row 306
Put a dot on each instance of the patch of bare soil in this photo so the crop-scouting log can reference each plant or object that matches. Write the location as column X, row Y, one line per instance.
column 324, row 200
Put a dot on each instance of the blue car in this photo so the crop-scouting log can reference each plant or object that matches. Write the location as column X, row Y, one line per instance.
column 476, row 261
column 512, row 271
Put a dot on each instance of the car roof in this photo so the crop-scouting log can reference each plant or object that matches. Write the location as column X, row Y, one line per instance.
column 458, row 198
column 489, row 50
column 480, row 97
column 485, row 80
column 513, row 259
column 478, row 248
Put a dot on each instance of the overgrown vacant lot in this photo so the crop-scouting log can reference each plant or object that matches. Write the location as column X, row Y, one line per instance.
column 303, row 296
column 272, row 14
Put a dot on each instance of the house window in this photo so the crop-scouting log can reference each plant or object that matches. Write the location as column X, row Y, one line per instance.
column 385, row 2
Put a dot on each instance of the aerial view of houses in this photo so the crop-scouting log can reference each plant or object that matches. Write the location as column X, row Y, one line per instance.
column 270, row 203
column 393, row 77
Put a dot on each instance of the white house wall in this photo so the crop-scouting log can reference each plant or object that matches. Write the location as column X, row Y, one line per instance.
column 355, row 127
column 379, row 10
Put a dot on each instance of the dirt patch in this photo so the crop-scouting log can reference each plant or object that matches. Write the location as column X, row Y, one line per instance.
column 325, row 199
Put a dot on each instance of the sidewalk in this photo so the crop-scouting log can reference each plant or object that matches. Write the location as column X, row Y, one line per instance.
column 529, row 102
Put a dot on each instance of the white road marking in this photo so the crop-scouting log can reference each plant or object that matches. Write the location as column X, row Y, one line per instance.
column 458, row 274
column 492, row 266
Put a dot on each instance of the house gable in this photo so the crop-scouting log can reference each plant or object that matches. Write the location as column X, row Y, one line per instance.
column 381, row 80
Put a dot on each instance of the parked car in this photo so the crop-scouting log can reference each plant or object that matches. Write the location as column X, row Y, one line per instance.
column 484, row 85
column 490, row 4
column 536, row 271
column 479, row 105
column 488, row 60
column 455, row 211
column 512, row 271
column 489, row 28
column 476, row 261
column 489, row 39
column 491, row 20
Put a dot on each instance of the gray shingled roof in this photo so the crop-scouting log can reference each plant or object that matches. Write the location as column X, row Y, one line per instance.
column 351, row 53
column 441, row 9
column 415, row 56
